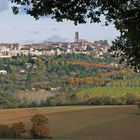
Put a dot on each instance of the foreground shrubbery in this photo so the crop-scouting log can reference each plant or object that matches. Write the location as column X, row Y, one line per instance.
column 138, row 105
column 4, row 131
column 14, row 131
column 39, row 128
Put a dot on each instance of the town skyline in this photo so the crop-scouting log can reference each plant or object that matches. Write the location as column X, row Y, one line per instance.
column 79, row 46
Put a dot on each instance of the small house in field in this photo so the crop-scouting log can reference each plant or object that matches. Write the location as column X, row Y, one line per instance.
column 22, row 71
column 3, row 72
column 55, row 89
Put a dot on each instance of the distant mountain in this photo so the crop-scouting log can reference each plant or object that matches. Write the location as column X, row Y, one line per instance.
column 28, row 42
column 56, row 38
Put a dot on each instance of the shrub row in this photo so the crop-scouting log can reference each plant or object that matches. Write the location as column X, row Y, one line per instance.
column 39, row 128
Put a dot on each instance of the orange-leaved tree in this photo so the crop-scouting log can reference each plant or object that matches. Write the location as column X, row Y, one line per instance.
column 17, row 129
column 40, row 126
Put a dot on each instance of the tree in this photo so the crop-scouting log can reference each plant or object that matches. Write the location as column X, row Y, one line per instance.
column 124, row 14
column 29, row 79
column 14, row 131
column 40, row 126
column 127, row 51
column 138, row 105
column 39, row 119
column 40, row 131
column 17, row 129
column 4, row 131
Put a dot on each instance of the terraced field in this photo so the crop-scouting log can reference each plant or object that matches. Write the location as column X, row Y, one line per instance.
column 83, row 122
column 112, row 90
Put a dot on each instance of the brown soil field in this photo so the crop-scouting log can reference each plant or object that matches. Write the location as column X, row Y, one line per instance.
column 83, row 122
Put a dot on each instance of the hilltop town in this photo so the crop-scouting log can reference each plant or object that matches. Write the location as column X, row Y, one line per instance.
column 78, row 46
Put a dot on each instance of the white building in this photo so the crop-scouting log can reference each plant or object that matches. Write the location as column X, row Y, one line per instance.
column 3, row 72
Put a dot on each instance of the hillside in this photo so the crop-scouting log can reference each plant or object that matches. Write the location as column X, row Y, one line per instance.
column 60, row 77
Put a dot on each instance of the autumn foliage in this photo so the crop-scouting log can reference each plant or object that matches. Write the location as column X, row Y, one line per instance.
column 100, row 66
column 39, row 119
column 15, row 131
column 40, row 126
column 98, row 80
column 4, row 131
column 40, row 131
column 112, row 72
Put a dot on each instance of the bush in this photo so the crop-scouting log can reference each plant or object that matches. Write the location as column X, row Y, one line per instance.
column 52, row 101
column 5, row 131
column 14, row 131
column 130, row 98
column 40, row 128
column 17, row 129
column 101, row 100
column 138, row 105
column 34, row 104
column 40, row 131
column 39, row 119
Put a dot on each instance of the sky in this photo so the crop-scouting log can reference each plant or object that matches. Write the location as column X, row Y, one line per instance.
column 23, row 28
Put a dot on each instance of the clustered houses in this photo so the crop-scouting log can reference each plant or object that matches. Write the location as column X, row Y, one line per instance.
column 9, row 50
column 97, row 48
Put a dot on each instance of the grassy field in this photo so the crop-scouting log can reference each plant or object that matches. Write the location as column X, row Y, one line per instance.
column 112, row 90
column 83, row 122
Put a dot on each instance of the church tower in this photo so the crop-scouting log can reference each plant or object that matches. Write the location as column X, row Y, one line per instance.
column 76, row 38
